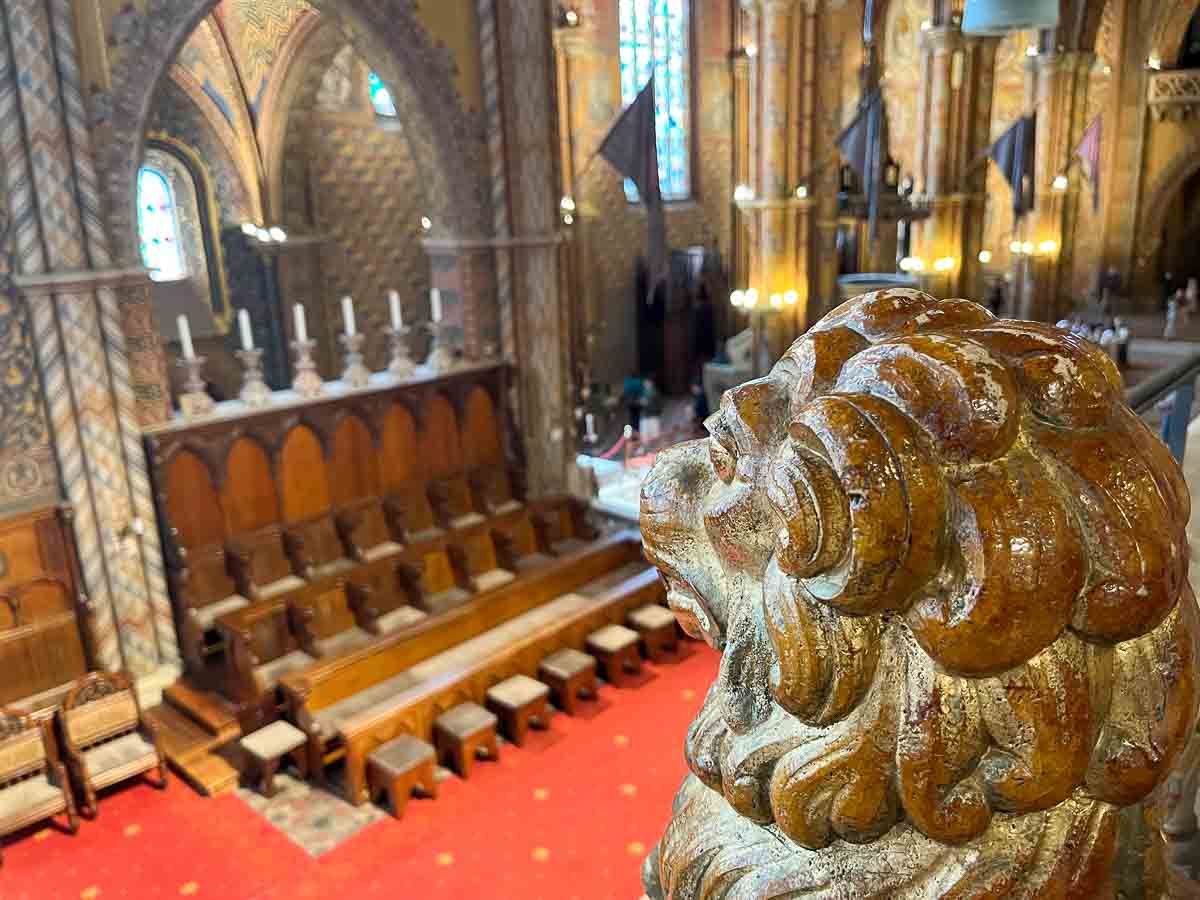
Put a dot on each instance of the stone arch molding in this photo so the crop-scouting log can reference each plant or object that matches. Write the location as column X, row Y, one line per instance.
column 384, row 32
column 1163, row 188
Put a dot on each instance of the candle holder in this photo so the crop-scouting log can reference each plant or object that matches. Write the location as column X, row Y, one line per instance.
column 307, row 382
column 194, row 401
column 402, row 365
column 254, row 390
column 441, row 354
column 355, row 375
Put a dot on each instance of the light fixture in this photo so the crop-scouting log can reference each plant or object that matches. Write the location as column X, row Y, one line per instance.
column 912, row 264
column 1108, row 70
column 743, row 193
column 263, row 235
column 249, row 229
column 752, row 50
column 738, row 298
column 567, row 203
column 985, row 256
column 1048, row 247
column 944, row 264
column 1027, row 247
column 790, row 298
column 426, row 223
column 1015, row 247
column 568, row 219
column 1059, row 183
column 777, row 301
column 926, row 25
column 801, row 191
column 571, row 17
column 1154, row 62
column 278, row 234
column 1031, row 50
column 751, row 298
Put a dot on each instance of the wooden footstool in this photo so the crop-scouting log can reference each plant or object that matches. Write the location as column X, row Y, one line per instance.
column 656, row 626
column 571, row 676
column 616, row 649
column 463, row 733
column 519, row 701
column 400, row 766
column 268, row 746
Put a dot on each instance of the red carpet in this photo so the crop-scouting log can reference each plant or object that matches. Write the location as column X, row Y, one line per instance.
column 570, row 815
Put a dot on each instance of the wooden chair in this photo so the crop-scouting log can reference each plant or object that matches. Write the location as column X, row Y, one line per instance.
column 483, row 570
column 384, row 611
column 261, row 566
column 410, row 516
column 517, row 547
column 497, row 490
column 105, row 737
column 453, row 503
column 326, row 622
column 204, row 590
column 564, row 527
column 316, row 550
column 262, row 647
column 33, row 781
column 445, row 580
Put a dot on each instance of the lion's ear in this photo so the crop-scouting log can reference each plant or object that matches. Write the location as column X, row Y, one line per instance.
column 805, row 492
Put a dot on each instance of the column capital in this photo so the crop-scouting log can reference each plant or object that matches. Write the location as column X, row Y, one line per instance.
column 943, row 38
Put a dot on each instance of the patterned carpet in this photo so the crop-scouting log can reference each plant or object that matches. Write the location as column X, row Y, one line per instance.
column 569, row 816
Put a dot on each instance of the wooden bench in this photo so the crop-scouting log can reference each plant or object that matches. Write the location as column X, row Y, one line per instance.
column 454, row 503
column 351, row 706
column 204, row 590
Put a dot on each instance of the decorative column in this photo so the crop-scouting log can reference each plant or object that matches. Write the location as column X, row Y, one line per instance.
column 97, row 388
column 1062, row 81
column 952, row 134
column 540, row 313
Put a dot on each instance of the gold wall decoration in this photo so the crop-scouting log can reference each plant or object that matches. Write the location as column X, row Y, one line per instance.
column 947, row 570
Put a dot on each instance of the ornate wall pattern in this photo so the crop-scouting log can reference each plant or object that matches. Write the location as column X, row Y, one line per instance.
column 901, row 77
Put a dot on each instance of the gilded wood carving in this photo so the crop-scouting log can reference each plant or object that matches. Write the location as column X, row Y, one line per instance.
column 946, row 568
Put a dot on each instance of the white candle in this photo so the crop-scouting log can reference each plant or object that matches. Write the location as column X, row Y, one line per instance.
column 435, row 305
column 247, row 334
column 348, row 315
column 591, row 425
column 301, row 321
column 185, row 338
column 397, row 314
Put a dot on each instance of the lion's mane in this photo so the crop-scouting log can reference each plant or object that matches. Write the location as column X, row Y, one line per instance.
column 947, row 568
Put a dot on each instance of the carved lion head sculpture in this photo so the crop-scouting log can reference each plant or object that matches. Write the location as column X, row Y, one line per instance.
column 946, row 568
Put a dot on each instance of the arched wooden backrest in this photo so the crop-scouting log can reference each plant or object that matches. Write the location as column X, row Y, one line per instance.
column 441, row 452
column 302, row 477
column 248, row 494
column 193, row 505
column 398, row 448
column 354, row 467
column 481, row 441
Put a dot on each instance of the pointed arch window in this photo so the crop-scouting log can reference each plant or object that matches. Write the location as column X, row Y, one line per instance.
column 381, row 97
column 158, row 226
column 655, row 38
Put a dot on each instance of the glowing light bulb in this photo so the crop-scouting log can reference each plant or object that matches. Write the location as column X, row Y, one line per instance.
column 790, row 298
column 1154, row 62
column 1031, row 50
column 1027, row 247
column 426, row 223
column 738, row 298
column 926, row 25
column 567, row 203
column 752, row 50
column 743, row 193
column 985, row 256
column 1015, row 247
column 751, row 298
column 568, row 219
column 249, row 229
column 1048, row 247
column 1059, row 183
column 572, row 18
column 944, row 264
column 801, row 191
column 777, row 301
column 278, row 234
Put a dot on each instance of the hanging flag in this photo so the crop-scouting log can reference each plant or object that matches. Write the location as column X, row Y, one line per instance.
column 1013, row 153
column 1089, row 153
column 631, row 147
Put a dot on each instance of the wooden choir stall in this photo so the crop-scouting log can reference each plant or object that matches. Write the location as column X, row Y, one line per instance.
column 360, row 564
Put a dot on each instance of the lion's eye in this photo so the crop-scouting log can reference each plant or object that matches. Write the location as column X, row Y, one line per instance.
column 722, row 460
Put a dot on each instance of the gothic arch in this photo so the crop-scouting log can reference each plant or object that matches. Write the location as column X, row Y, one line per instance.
column 1159, row 195
column 1167, row 35
column 385, row 32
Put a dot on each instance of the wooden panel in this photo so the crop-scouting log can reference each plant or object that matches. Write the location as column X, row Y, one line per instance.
column 481, row 441
column 248, row 495
column 398, row 453
column 354, row 469
column 441, row 454
column 192, row 502
column 305, row 485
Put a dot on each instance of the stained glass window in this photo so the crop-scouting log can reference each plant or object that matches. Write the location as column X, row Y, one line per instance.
column 655, row 37
column 158, row 226
column 381, row 97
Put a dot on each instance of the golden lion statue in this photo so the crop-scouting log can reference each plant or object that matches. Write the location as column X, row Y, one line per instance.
column 947, row 571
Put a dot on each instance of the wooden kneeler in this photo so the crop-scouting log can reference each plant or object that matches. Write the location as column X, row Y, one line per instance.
column 464, row 733
column 399, row 767
column 520, row 702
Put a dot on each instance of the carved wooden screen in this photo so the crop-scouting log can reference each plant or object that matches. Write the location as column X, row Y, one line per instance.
column 354, row 468
column 482, row 444
column 248, row 494
column 398, row 453
column 303, row 480
column 441, row 453
column 40, row 642
column 193, row 505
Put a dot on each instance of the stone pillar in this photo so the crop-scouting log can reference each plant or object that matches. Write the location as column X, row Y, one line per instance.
column 97, row 388
column 952, row 134
column 1061, row 96
column 540, row 317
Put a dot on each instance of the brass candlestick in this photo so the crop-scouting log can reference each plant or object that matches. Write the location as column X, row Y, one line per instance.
column 356, row 374
column 254, row 390
column 307, row 382
column 441, row 354
column 402, row 365
column 194, row 402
